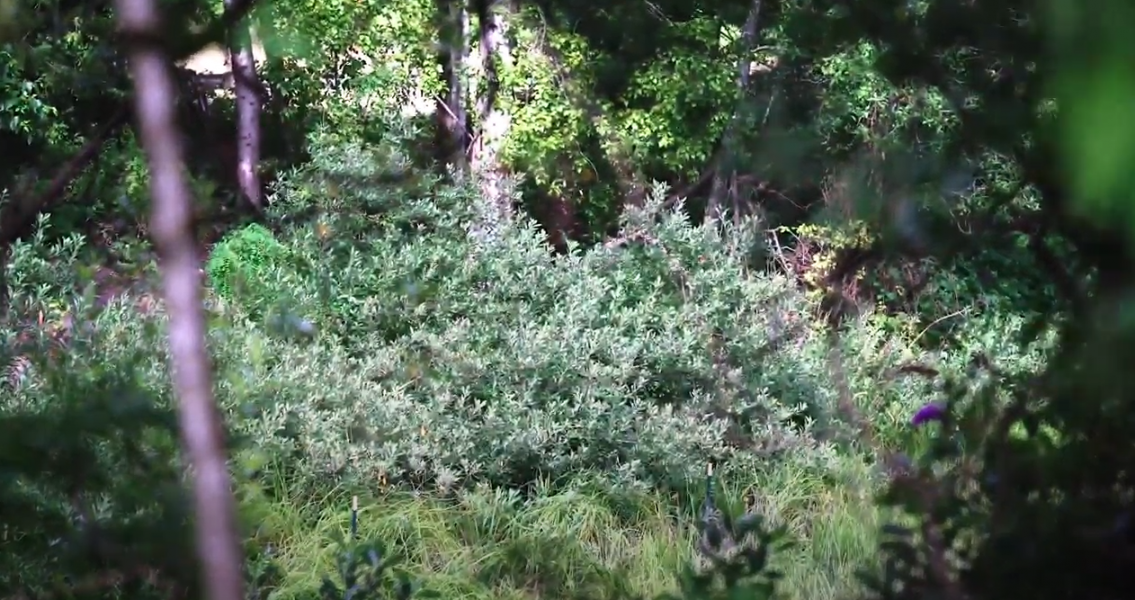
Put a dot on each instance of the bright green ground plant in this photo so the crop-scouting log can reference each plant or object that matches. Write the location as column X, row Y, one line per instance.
column 241, row 267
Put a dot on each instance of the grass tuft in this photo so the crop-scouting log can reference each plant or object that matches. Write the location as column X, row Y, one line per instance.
column 583, row 542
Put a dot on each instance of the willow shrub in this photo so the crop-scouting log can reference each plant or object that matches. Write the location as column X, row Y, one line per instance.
column 439, row 350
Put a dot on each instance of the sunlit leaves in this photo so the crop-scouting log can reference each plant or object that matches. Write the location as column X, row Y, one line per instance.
column 1095, row 83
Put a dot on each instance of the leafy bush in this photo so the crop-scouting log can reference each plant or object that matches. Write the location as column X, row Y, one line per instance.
column 92, row 493
column 239, row 267
column 89, row 440
column 461, row 358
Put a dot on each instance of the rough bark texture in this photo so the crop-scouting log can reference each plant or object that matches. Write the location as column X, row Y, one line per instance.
column 725, row 182
column 452, row 124
column 493, row 123
column 248, row 102
column 218, row 545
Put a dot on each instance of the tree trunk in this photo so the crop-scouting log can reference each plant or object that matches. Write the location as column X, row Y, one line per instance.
column 218, row 545
column 450, row 113
column 492, row 122
column 247, row 89
column 725, row 180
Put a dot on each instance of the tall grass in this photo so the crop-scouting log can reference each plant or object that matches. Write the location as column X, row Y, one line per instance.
column 491, row 543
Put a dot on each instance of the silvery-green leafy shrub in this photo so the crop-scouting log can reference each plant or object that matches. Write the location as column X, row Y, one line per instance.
column 37, row 270
column 446, row 354
column 93, row 497
column 90, row 486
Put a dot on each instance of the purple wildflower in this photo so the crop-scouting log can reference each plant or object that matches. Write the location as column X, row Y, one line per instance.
column 930, row 412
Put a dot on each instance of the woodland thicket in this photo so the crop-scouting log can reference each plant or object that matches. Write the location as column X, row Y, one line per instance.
column 537, row 300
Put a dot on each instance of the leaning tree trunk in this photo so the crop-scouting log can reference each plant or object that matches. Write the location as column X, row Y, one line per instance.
column 450, row 113
column 492, row 122
column 248, row 103
column 218, row 545
column 724, row 185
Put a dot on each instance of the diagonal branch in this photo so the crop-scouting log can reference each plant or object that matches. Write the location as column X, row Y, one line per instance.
column 20, row 214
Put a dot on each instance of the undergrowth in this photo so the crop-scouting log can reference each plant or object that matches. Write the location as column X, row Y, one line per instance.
column 518, row 425
column 585, row 543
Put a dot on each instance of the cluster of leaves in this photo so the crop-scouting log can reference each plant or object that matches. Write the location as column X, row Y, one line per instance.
column 1026, row 488
column 93, row 496
column 462, row 358
column 64, row 79
column 60, row 83
column 238, row 266
column 609, row 94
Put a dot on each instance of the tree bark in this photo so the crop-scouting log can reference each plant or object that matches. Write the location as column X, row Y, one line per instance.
column 218, row 544
column 452, row 124
column 724, row 185
column 247, row 88
column 492, row 122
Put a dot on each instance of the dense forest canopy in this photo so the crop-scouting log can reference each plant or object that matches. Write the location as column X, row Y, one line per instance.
column 550, row 299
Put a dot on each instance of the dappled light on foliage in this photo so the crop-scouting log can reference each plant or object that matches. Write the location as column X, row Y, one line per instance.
column 542, row 300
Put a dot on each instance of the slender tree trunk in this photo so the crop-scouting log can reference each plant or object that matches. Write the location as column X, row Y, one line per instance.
column 5, row 256
column 724, row 186
column 492, row 122
column 451, row 120
column 248, row 104
column 218, row 544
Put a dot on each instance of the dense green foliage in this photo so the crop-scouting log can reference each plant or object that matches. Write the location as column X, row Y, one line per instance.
column 927, row 202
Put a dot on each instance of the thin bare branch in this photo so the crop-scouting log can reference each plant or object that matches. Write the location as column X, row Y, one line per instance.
column 218, row 545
